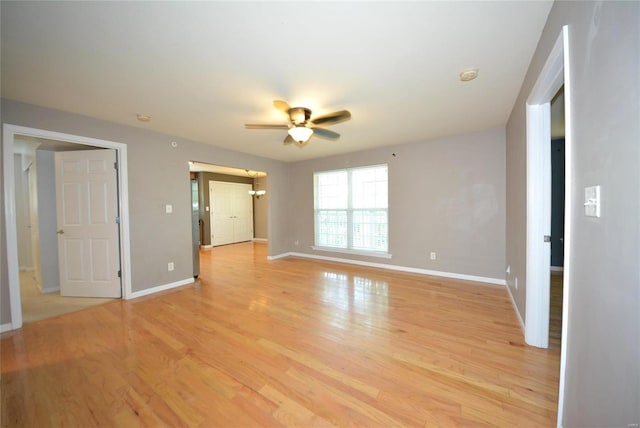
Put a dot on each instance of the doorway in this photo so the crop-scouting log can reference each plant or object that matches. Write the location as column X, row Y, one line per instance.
column 554, row 74
column 37, row 220
column 557, row 219
column 201, row 175
column 13, row 134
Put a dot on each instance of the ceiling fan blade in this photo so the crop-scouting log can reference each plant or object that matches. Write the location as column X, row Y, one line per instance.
column 264, row 126
column 335, row 117
column 326, row 133
column 288, row 140
column 283, row 106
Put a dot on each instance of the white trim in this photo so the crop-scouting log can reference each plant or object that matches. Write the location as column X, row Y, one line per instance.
column 354, row 252
column 206, row 247
column 538, row 254
column 279, row 256
column 515, row 308
column 49, row 290
column 260, row 240
column 9, row 133
column 11, row 228
column 6, row 327
column 399, row 268
column 555, row 72
column 568, row 223
column 159, row 288
column 557, row 269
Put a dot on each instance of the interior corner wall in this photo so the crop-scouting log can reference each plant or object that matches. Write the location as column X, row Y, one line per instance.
column 602, row 379
column 23, row 230
column 46, row 177
column 446, row 195
column 5, row 307
column 261, row 211
column 158, row 175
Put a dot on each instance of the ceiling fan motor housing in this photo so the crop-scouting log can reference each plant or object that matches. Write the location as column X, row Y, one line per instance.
column 299, row 115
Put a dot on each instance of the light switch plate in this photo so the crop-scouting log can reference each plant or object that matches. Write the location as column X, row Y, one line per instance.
column 169, row 209
column 592, row 201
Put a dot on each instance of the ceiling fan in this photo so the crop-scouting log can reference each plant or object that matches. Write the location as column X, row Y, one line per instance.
column 301, row 126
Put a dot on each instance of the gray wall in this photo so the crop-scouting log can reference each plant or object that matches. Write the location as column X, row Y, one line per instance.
column 446, row 195
column 603, row 338
column 47, row 220
column 261, row 211
column 23, row 218
column 158, row 175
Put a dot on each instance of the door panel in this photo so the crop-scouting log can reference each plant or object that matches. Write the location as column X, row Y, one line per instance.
column 87, row 230
column 231, row 212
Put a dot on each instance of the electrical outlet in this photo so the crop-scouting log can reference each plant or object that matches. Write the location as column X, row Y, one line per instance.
column 516, row 282
column 508, row 269
column 170, row 266
column 432, row 255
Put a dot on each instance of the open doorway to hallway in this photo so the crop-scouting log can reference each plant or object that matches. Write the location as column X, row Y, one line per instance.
column 229, row 205
column 37, row 228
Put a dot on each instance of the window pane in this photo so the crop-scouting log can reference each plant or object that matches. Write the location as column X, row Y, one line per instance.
column 369, row 187
column 332, row 190
column 370, row 230
column 331, row 228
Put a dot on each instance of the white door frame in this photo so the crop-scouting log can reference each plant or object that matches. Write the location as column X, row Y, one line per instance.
column 8, row 139
column 553, row 75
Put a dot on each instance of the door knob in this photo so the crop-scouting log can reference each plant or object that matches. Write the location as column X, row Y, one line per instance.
column 60, row 232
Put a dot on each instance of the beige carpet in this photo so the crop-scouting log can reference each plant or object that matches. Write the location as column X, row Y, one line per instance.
column 37, row 306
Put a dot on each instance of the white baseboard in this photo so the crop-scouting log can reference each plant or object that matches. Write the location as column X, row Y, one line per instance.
column 6, row 327
column 557, row 269
column 279, row 256
column 515, row 308
column 49, row 290
column 26, row 269
column 159, row 288
column 206, row 247
column 260, row 240
column 464, row 277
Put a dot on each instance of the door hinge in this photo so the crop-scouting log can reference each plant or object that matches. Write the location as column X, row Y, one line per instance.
column 119, row 274
column 118, row 220
column 547, row 238
column 115, row 165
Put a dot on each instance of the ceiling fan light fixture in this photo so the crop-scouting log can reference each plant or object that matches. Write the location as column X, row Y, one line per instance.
column 300, row 133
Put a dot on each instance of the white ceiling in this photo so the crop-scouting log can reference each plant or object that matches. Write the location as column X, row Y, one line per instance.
column 203, row 69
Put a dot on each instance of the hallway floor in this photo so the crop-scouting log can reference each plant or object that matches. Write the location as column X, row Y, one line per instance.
column 37, row 306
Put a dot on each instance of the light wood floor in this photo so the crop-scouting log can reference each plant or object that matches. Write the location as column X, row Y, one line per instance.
column 37, row 306
column 555, row 311
column 289, row 342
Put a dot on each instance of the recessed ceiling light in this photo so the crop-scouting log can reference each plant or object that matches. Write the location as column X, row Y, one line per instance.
column 468, row 74
column 143, row 117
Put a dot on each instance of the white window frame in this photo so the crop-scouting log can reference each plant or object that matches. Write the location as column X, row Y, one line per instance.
column 349, row 211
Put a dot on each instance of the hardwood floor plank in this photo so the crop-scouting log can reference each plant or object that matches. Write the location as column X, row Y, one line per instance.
column 289, row 342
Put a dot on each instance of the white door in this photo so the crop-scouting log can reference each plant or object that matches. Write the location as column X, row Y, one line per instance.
column 243, row 207
column 86, row 190
column 231, row 212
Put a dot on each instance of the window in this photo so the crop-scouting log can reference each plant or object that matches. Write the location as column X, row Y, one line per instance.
column 351, row 209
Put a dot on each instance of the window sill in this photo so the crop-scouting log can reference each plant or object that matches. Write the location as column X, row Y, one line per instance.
column 379, row 254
